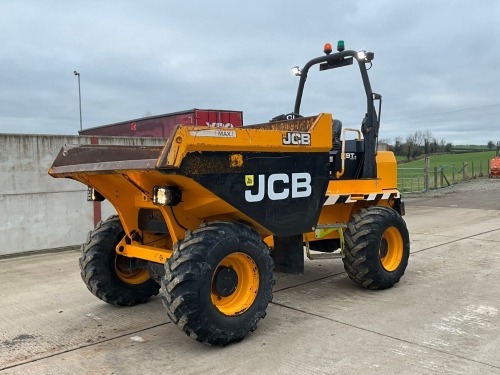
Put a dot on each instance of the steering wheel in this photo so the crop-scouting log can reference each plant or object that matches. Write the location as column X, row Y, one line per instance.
column 292, row 115
column 288, row 116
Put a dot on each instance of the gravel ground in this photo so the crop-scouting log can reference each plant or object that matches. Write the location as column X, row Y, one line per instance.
column 480, row 193
column 474, row 185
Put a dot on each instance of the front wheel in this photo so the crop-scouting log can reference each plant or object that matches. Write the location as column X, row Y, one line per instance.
column 377, row 247
column 218, row 283
column 111, row 277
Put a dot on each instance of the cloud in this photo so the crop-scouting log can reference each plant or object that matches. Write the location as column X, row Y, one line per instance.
column 158, row 57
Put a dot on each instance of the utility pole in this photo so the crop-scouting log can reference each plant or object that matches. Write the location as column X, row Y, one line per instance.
column 79, row 97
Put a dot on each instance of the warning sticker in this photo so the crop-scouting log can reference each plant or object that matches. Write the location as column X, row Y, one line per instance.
column 249, row 180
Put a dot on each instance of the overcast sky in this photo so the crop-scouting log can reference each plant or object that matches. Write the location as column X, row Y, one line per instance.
column 436, row 62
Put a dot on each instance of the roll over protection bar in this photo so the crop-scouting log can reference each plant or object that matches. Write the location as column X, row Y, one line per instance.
column 371, row 123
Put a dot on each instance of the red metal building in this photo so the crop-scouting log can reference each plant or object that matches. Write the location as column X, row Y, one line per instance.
column 162, row 125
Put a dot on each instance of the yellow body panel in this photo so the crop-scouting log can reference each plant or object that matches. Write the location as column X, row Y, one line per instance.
column 129, row 189
column 361, row 193
column 256, row 138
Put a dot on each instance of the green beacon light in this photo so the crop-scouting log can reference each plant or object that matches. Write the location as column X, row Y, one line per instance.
column 340, row 46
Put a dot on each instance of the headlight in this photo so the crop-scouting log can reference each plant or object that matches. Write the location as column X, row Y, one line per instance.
column 296, row 71
column 166, row 195
column 366, row 56
column 93, row 195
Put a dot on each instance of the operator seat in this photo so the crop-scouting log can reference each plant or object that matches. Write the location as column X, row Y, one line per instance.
column 336, row 148
column 336, row 133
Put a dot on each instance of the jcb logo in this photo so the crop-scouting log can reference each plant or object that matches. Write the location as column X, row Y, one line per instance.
column 291, row 138
column 279, row 186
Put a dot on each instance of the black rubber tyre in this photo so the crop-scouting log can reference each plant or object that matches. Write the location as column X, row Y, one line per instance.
column 377, row 247
column 110, row 276
column 204, row 304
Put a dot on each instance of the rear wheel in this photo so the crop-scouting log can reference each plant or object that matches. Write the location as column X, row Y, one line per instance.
column 218, row 282
column 111, row 277
column 377, row 247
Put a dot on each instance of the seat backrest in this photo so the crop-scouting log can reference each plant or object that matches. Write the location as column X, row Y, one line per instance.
column 336, row 129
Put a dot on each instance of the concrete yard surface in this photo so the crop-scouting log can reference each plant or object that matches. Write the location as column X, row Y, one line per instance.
column 442, row 318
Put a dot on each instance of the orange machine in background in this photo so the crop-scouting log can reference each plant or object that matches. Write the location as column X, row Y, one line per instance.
column 495, row 163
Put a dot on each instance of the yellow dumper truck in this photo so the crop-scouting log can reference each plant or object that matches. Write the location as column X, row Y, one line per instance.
column 211, row 214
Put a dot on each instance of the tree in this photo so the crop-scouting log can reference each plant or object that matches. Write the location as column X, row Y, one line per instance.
column 427, row 141
column 414, row 144
column 409, row 146
column 442, row 145
column 418, row 138
column 434, row 146
column 386, row 142
column 398, row 146
column 491, row 145
column 418, row 143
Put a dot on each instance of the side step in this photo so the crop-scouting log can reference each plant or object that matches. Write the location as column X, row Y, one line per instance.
column 321, row 231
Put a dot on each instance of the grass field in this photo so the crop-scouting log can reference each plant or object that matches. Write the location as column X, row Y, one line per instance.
column 454, row 159
column 450, row 169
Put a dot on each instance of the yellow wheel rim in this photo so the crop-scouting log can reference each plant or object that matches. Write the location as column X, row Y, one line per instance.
column 391, row 249
column 127, row 274
column 245, row 288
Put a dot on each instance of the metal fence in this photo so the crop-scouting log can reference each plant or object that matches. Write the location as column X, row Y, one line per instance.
column 414, row 180
column 411, row 180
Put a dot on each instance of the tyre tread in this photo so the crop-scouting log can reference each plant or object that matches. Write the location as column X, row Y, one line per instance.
column 184, row 270
column 94, row 268
column 361, row 263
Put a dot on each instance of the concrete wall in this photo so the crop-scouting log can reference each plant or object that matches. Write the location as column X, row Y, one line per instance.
column 39, row 212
